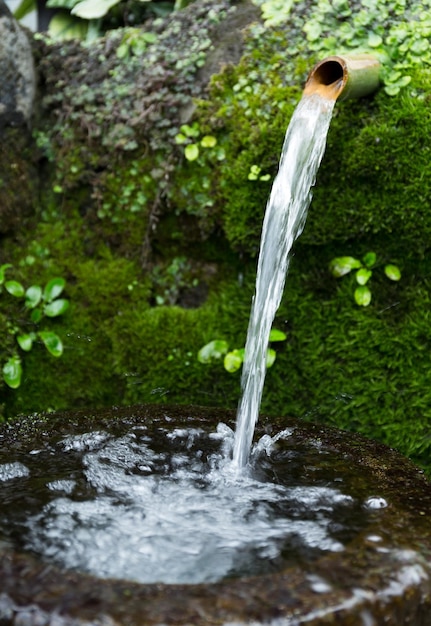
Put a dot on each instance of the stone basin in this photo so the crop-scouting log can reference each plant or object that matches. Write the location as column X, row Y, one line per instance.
column 380, row 576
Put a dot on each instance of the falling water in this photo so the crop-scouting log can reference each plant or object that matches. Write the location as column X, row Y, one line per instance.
column 285, row 216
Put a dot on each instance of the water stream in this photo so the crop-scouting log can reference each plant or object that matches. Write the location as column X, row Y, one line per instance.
column 284, row 220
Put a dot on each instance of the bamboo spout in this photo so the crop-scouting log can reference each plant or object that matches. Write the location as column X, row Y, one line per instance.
column 341, row 77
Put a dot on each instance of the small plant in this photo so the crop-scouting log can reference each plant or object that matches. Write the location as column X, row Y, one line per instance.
column 255, row 174
column 39, row 303
column 343, row 265
column 233, row 359
column 89, row 19
column 189, row 137
column 135, row 42
column 170, row 279
column 395, row 31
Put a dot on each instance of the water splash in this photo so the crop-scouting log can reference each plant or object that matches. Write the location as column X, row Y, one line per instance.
column 168, row 507
column 285, row 216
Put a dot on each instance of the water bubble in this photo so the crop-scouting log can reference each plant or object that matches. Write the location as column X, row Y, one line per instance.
column 373, row 503
column 318, row 584
column 374, row 538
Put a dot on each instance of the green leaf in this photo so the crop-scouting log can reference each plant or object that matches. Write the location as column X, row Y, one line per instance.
column 313, row 30
column 180, row 138
column 363, row 276
column 362, row 295
column 33, row 296
column 270, row 357
column 392, row 272
column 208, row 141
column 212, row 351
column 24, row 8
column 190, row 131
column 220, row 154
column 191, row 152
column 404, row 81
column 93, row 9
column 12, row 372
column 233, row 360
column 25, row 341
column 36, row 316
column 392, row 87
column 148, row 36
column 419, row 46
column 369, row 259
column 277, row 335
column 53, row 289
column 342, row 265
column 61, row 4
column 56, row 308
column 123, row 50
column 392, row 90
column 275, row 13
column 374, row 40
column 254, row 172
column 64, row 26
column 14, row 288
column 52, row 342
column 3, row 269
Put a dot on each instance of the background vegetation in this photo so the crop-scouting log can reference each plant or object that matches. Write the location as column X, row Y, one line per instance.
column 152, row 185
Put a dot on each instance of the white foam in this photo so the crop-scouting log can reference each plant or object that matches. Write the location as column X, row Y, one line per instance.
column 9, row 471
column 160, row 517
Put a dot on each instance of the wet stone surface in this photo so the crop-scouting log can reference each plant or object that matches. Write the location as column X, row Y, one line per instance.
column 352, row 516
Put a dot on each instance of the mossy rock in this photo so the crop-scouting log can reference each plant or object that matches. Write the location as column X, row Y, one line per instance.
column 375, row 176
column 18, row 179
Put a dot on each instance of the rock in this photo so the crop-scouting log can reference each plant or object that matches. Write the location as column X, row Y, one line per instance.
column 18, row 175
column 17, row 72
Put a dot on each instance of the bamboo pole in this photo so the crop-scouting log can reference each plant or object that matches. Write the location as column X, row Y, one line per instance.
column 344, row 76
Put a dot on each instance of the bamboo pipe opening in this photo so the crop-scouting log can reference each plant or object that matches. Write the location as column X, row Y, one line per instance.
column 344, row 77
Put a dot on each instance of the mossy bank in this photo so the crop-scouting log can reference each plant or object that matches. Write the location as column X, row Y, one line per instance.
column 156, row 148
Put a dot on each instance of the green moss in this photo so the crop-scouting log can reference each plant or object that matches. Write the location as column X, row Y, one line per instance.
column 368, row 182
column 363, row 370
column 248, row 111
column 156, row 350
column 111, row 110
column 376, row 171
column 360, row 369
column 7, row 347
column 83, row 376
column 99, row 290
column 18, row 179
